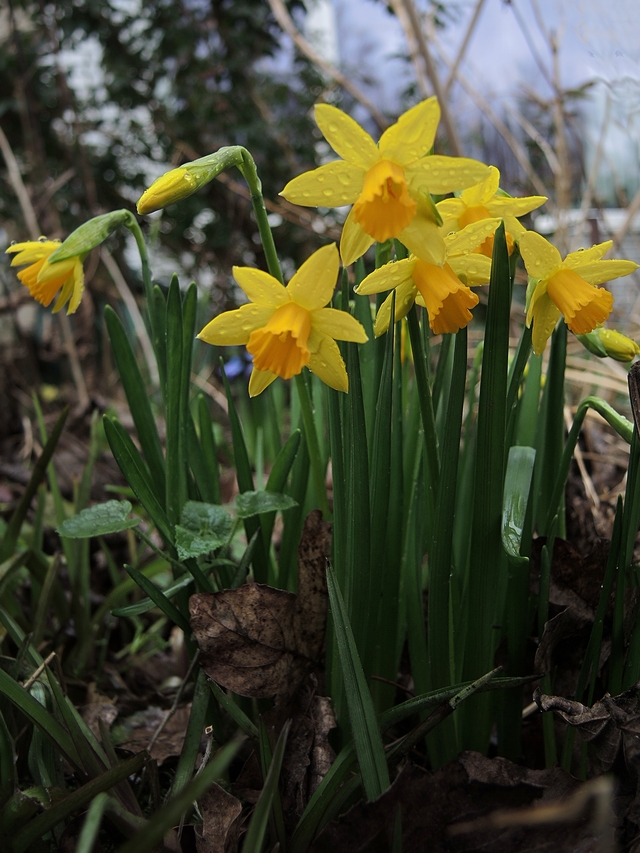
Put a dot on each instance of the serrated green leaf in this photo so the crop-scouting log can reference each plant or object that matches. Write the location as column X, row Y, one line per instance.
column 98, row 520
column 254, row 503
column 203, row 528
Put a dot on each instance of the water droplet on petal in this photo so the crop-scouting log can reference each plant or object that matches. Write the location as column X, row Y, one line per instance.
column 14, row 243
column 328, row 193
column 42, row 239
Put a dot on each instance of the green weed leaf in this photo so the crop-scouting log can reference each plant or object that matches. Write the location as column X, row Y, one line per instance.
column 203, row 528
column 254, row 503
column 98, row 520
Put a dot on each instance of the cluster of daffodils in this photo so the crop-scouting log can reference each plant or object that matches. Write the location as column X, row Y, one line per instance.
column 444, row 249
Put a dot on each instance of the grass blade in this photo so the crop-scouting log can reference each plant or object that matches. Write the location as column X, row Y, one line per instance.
column 254, row 838
column 364, row 726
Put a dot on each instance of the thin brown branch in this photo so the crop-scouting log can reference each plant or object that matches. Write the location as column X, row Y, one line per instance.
column 432, row 74
column 453, row 72
column 282, row 16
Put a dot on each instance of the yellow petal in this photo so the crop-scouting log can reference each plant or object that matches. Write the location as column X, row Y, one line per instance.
column 326, row 362
column 31, row 251
column 332, row 185
column 545, row 318
column 346, row 137
column 423, row 239
column 473, row 269
column 470, row 237
column 450, row 209
column 587, row 256
column 387, row 277
column 447, row 299
column 606, row 270
column 260, row 287
column 540, row 258
column 441, row 174
column 503, row 206
column 313, row 284
column 412, row 136
column 64, row 296
column 479, row 194
column 234, row 327
column 354, row 242
column 384, row 207
column 583, row 305
column 405, row 295
column 260, row 379
column 78, row 288
column 339, row 325
column 49, row 272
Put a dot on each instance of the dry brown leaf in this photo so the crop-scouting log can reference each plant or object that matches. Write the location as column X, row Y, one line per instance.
column 469, row 788
column 259, row 641
column 610, row 723
column 141, row 727
column 220, row 825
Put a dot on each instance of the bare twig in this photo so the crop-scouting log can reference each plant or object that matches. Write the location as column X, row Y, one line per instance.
column 399, row 11
column 176, row 702
column 453, row 71
column 282, row 16
column 518, row 150
column 595, row 166
column 432, row 74
column 31, row 222
column 17, row 184
column 633, row 208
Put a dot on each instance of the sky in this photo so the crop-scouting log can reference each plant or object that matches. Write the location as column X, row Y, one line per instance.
column 599, row 41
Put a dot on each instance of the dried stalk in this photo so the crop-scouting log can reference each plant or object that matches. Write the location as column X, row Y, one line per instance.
column 282, row 16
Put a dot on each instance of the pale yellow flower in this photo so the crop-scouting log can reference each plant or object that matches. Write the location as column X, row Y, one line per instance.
column 443, row 289
column 288, row 328
column 484, row 201
column 43, row 279
column 388, row 184
column 567, row 288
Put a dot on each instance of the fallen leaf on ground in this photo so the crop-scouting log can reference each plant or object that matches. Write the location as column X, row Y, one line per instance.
column 137, row 731
column 608, row 724
column 259, row 641
column 220, row 822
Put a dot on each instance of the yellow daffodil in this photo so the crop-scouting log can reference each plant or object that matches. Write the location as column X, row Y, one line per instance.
column 607, row 342
column 388, row 184
column 43, row 279
column 443, row 289
column 568, row 287
column 484, row 201
column 288, row 328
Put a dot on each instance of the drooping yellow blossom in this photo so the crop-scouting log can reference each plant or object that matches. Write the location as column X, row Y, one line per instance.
column 288, row 328
column 567, row 288
column 608, row 342
column 388, row 184
column 443, row 289
column 43, row 279
column 482, row 202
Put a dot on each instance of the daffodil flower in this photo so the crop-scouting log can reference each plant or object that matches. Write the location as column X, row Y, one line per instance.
column 388, row 184
column 484, row 201
column 43, row 279
column 567, row 288
column 288, row 328
column 443, row 289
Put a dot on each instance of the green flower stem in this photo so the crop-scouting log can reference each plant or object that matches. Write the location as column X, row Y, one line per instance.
column 317, row 468
column 132, row 224
column 622, row 426
column 248, row 168
column 426, row 404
